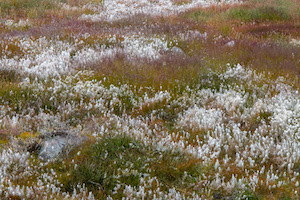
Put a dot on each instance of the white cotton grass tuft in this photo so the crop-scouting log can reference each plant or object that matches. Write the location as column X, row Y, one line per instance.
column 196, row 119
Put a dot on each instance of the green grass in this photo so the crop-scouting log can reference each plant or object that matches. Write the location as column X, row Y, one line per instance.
column 291, row 7
column 12, row 93
column 26, row 8
column 250, row 11
column 123, row 160
column 260, row 14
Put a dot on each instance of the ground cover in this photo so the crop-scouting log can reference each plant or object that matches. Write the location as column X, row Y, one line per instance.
column 177, row 99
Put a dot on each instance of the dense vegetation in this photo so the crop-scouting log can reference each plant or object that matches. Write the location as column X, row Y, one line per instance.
column 176, row 99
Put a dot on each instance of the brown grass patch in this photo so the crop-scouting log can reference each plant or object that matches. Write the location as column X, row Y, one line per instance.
column 262, row 30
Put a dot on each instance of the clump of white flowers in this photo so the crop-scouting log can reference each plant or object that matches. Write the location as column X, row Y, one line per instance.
column 19, row 24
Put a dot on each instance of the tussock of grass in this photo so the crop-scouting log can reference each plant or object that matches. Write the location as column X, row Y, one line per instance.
column 260, row 14
column 121, row 161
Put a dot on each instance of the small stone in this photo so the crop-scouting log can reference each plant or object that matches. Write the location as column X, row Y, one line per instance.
column 177, row 50
column 230, row 44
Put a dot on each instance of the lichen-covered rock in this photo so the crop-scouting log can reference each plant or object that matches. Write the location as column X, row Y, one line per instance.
column 58, row 143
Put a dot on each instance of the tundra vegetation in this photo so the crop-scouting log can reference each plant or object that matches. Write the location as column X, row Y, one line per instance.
column 177, row 99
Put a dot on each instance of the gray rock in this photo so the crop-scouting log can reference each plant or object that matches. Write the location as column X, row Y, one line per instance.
column 56, row 144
